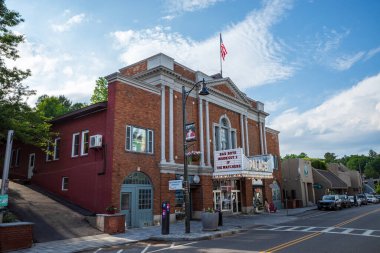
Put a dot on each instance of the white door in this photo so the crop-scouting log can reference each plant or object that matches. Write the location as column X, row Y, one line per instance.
column 31, row 164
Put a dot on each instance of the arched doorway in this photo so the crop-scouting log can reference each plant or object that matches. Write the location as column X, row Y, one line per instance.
column 136, row 200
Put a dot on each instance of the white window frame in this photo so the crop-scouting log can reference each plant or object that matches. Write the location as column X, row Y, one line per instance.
column 63, row 188
column 17, row 158
column 149, row 141
column 82, row 151
column 230, row 130
column 73, row 145
column 55, row 149
column 48, row 156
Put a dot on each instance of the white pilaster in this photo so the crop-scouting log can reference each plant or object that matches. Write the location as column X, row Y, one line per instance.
column 201, row 142
column 261, row 138
column 242, row 132
column 265, row 139
column 246, row 135
column 163, row 158
column 208, row 135
column 171, row 127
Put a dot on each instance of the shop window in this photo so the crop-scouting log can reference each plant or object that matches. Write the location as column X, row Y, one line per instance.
column 224, row 135
column 139, row 140
column 75, row 145
column 84, row 143
column 65, row 183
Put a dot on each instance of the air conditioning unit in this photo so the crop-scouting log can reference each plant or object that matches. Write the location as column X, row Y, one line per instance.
column 96, row 141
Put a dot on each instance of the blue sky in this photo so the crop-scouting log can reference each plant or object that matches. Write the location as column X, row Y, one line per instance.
column 315, row 64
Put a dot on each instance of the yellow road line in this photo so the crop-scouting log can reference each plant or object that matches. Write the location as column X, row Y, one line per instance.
column 307, row 237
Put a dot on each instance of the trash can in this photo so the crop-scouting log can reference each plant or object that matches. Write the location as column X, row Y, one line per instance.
column 165, row 217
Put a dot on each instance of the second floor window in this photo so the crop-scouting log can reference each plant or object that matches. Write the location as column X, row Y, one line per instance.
column 224, row 135
column 139, row 140
column 57, row 146
column 75, row 145
column 84, row 144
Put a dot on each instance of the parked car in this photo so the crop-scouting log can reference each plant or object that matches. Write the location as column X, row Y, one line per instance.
column 353, row 199
column 372, row 199
column 345, row 201
column 363, row 199
column 332, row 202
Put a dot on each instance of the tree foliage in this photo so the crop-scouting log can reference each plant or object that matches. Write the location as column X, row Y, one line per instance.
column 301, row 155
column 318, row 164
column 15, row 114
column 100, row 92
column 330, row 157
column 53, row 106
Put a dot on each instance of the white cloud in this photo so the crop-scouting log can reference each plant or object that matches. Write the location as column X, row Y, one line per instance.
column 272, row 106
column 57, row 72
column 176, row 6
column 250, row 46
column 347, row 61
column 169, row 17
column 371, row 53
column 344, row 124
column 72, row 21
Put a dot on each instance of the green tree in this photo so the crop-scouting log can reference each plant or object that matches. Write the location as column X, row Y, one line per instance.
column 290, row 156
column 53, row 106
column 356, row 162
column 318, row 164
column 372, row 168
column 372, row 153
column 100, row 92
column 377, row 189
column 330, row 157
column 15, row 114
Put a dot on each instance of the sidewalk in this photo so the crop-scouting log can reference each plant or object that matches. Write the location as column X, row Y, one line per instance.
column 231, row 225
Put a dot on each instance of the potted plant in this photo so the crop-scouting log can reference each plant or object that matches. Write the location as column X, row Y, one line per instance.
column 193, row 156
column 210, row 219
column 111, row 209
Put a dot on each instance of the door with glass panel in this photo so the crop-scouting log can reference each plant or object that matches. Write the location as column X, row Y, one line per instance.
column 235, row 197
column 125, row 207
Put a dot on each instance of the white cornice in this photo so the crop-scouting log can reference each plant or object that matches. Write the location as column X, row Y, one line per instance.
column 133, row 82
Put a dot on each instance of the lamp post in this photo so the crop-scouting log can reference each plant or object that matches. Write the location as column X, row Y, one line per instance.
column 185, row 95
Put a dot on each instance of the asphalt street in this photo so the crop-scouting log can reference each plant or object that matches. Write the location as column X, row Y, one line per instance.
column 355, row 229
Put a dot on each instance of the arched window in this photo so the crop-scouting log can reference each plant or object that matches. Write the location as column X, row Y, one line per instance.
column 137, row 178
column 225, row 136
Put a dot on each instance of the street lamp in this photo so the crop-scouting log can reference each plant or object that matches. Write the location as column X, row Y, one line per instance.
column 185, row 95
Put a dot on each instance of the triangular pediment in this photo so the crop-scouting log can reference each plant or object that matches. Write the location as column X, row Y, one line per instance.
column 226, row 87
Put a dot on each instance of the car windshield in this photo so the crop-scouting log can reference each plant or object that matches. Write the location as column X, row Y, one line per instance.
column 369, row 196
column 351, row 197
column 328, row 198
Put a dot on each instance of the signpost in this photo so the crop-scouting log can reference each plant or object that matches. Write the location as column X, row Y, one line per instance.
column 4, row 181
column 3, row 200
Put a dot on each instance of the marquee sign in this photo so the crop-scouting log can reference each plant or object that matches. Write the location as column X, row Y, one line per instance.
column 233, row 163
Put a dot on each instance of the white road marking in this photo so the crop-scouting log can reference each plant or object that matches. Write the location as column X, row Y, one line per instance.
column 290, row 229
column 327, row 230
column 307, row 229
column 120, row 251
column 368, row 232
column 98, row 250
column 146, row 248
column 176, row 246
column 278, row 227
column 347, row 231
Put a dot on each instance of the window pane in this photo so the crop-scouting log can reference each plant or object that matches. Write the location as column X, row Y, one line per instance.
column 75, row 151
column 224, row 139
column 57, row 148
column 150, row 141
column 17, row 162
column 217, row 138
column 139, row 140
column 145, row 199
column 128, row 141
column 233, row 139
column 84, row 143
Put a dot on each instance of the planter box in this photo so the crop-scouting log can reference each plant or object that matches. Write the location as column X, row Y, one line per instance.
column 210, row 221
column 15, row 236
column 111, row 223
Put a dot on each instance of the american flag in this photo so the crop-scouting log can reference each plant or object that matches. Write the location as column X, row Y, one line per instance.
column 223, row 49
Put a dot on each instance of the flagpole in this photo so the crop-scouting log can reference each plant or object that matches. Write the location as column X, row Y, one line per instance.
column 220, row 54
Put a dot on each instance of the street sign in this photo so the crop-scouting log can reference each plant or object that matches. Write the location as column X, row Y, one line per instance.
column 3, row 200
column 175, row 185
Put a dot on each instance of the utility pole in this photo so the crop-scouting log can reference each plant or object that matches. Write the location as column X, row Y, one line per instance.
column 4, row 181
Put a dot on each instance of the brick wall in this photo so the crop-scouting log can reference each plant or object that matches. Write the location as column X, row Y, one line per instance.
column 14, row 236
column 134, row 69
column 136, row 107
column 186, row 73
column 223, row 88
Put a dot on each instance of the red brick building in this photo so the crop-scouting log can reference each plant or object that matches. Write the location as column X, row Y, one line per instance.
column 123, row 152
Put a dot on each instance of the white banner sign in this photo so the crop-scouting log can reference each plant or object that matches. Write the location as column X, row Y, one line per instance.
column 175, row 185
column 228, row 160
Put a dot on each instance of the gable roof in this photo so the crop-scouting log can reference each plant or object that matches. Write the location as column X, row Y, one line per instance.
column 81, row 112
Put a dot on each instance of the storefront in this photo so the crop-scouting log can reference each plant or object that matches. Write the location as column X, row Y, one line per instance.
column 231, row 171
